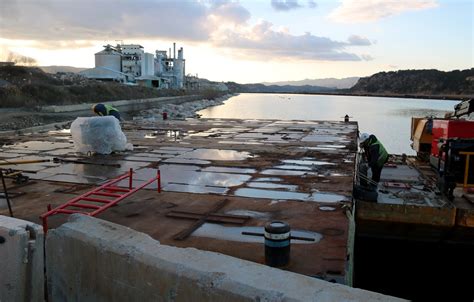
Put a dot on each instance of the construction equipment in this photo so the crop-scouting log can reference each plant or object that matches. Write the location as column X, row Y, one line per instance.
column 90, row 205
column 17, row 176
column 446, row 143
column 462, row 109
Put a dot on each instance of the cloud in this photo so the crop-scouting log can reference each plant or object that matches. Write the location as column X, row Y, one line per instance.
column 353, row 11
column 367, row 57
column 231, row 12
column 358, row 40
column 262, row 41
column 59, row 24
column 312, row 4
column 285, row 5
column 106, row 19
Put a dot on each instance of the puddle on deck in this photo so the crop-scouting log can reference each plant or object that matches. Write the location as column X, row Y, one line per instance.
column 181, row 175
column 306, row 162
column 176, row 160
column 75, row 179
column 269, row 185
column 229, row 170
column 186, row 188
column 268, row 179
column 285, row 172
column 239, row 142
column 253, row 214
column 216, row 154
column 40, row 145
column 212, row 230
column 327, row 209
column 293, row 167
column 273, row 194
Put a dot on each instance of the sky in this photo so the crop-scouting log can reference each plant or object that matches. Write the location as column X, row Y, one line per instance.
column 248, row 41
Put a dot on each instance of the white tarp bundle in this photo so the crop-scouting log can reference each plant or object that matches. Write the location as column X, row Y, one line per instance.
column 100, row 134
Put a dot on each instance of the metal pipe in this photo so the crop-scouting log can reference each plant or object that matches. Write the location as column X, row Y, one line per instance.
column 158, row 179
column 291, row 237
column 20, row 162
column 6, row 194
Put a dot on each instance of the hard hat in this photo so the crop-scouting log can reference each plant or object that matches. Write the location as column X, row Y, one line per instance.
column 363, row 137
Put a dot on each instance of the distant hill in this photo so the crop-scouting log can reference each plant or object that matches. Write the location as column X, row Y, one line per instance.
column 29, row 87
column 55, row 69
column 343, row 83
column 236, row 87
column 418, row 82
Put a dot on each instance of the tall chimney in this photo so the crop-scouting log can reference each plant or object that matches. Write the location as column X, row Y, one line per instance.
column 174, row 50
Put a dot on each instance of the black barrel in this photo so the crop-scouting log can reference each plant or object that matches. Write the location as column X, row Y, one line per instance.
column 277, row 243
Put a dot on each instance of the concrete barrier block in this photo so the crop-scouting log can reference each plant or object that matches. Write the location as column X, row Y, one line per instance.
column 21, row 260
column 93, row 260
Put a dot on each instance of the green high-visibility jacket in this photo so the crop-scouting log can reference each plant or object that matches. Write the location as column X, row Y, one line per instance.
column 376, row 153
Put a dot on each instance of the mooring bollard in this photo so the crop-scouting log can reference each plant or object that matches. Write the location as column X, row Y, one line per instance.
column 277, row 243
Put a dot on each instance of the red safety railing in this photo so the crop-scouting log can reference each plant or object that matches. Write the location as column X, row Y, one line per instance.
column 98, row 205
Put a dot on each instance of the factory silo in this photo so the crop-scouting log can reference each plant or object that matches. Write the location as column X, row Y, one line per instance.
column 109, row 58
column 178, row 69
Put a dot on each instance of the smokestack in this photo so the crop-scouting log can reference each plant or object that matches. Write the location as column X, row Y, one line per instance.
column 170, row 52
column 174, row 50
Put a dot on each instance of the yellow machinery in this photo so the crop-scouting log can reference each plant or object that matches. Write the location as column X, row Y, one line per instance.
column 422, row 136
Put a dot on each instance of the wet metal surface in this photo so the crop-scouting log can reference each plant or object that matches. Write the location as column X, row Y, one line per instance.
column 228, row 170
column 216, row 154
column 306, row 162
column 273, row 194
column 267, row 185
column 217, row 231
column 264, row 168
column 268, row 179
column 283, row 172
column 188, row 161
column 40, row 145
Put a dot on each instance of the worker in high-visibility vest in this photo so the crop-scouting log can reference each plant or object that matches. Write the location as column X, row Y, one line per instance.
column 106, row 110
column 375, row 152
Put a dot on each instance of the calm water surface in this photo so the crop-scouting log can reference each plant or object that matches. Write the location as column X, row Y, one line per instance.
column 388, row 118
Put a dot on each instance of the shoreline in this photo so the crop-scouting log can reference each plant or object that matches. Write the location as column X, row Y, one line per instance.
column 384, row 95
column 21, row 121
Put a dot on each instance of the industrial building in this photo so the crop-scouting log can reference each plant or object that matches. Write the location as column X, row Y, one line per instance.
column 129, row 63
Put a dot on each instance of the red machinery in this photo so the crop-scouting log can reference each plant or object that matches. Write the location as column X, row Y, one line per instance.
column 448, row 144
column 449, row 129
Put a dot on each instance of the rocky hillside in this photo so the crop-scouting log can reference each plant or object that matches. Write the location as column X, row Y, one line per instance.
column 261, row 88
column 30, row 87
column 334, row 83
column 418, row 82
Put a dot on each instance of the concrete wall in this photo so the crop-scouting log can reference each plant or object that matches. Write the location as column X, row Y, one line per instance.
column 21, row 260
column 93, row 260
column 123, row 104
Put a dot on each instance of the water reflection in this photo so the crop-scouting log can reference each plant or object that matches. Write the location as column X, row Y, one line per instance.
column 388, row 118
column 211, row 230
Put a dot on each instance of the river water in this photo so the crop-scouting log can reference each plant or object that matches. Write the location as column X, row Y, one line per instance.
column 388, row 118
